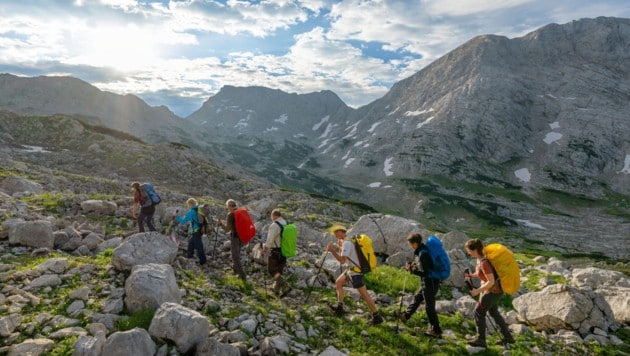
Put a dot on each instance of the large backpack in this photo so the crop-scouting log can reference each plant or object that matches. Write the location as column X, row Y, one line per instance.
column 505, row 265
column 441, row 263
column 288, row 239
column 244, row 225
column 148, row 195
column 365, row 253
column 203, row 218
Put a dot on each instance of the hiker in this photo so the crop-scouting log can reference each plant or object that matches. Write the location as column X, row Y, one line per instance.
column 195, row 242
column 276, row 262
column 230, row 228
column 146, row 212
column 429, row 287
column 349, row 254
column 490, row 293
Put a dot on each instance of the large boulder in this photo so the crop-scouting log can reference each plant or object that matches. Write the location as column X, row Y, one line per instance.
column 613, row 286
column 388, row 232
column 14, row 184
column 101, row 207
column 142, row 248
column 32, row 347
column 150, row 285
column 36, row 234
column 184, row 327
column 133, row 342
column 212, row 347
column 596, row 277
column 564, row 307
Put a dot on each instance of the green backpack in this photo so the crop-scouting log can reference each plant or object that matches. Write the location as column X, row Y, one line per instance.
column 288, row 239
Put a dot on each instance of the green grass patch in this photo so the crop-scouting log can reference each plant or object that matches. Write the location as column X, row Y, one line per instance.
column 391, row 280
column 140, row 319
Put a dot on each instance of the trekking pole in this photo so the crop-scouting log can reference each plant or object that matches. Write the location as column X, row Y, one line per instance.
column 308, row 293
column 402, row 294
column 471, row 286
column 216, row 237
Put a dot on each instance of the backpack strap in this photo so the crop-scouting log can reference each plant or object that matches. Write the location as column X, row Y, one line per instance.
column 281, row 231
column 497, row 279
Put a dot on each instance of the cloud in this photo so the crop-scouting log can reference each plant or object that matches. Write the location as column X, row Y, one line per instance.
column 185, row 50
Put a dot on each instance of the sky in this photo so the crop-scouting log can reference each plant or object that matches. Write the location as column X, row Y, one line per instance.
column 179, row 53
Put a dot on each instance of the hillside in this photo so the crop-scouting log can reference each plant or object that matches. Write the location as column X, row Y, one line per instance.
column 77, row 279
column 524, row 138
column 71, row 96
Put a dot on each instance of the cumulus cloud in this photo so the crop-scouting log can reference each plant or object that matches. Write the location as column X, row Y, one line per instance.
column 188, row 49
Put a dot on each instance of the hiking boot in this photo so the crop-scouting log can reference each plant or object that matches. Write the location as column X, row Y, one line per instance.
column 478, row 343
column 403, row 317
column 432, row 333
column 376, row 319
column 337, row 309
column 286, row 292
column 506, row 341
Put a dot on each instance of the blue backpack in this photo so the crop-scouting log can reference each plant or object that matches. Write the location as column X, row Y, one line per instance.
column 148, row 195
column 441, row 263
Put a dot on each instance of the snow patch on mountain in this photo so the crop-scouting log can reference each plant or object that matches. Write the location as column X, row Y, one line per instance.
column 552, row 137
column 424, row 122
column 282, row 119
column 321, row 122
column 528, row 223
column 373, row 127
column 387, row 166
column 626, row 165
column 523, row 175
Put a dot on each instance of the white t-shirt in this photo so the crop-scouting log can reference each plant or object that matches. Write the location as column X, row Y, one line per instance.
column 348, row 250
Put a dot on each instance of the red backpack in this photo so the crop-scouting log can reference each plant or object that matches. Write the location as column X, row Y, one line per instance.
column 244, row 225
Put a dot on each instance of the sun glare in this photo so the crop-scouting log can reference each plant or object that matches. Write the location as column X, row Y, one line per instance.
column 121, row 48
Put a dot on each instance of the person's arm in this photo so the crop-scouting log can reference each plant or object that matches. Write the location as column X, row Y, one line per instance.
column 486, row 286
column 272, row 232
column 186, row 218
column 228, row 226
column 339, row 257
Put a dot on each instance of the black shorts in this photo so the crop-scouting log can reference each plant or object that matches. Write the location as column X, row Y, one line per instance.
column 147, row 210
column 276, row 262
column 357, row 281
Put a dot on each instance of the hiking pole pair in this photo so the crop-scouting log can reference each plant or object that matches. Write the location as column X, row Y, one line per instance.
column 308, row 293
column 402, row 294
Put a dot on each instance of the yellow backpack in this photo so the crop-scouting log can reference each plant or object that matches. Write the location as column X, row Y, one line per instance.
column 504, row 263
column 365, row 252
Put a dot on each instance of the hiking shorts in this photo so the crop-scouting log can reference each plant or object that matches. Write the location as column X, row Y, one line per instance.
column 276, row 262
column 147, row 210
column 357, row 281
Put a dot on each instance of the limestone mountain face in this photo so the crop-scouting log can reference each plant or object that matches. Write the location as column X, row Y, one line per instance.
column 71, row 96
column 548, row 110
column 272, row 133
column 258, row 113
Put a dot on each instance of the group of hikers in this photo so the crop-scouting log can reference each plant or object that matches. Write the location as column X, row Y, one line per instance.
column 489, row 292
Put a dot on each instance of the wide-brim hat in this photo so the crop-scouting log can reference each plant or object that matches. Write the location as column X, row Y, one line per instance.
column 337, row 227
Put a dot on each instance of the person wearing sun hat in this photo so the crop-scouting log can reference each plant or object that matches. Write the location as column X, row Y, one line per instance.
column 349, row 254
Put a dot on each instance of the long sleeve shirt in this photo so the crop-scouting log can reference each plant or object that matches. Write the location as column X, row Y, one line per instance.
column 274, row 238
column 191, row 216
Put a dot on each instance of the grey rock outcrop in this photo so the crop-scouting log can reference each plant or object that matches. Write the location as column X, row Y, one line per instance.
column 133, row 342
column 142, row 248
column 101, row 207
column 184, row 327
column 150, row 285
column 564, row 307
column 14, row 184
column 32, row 233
